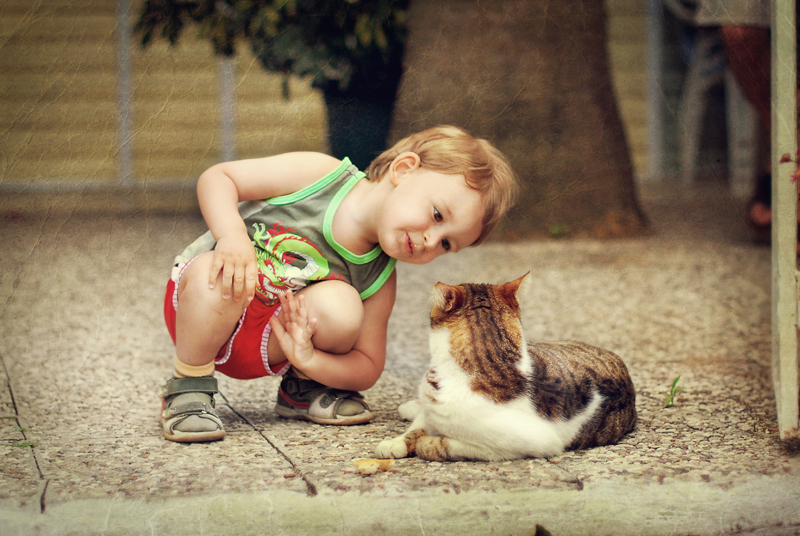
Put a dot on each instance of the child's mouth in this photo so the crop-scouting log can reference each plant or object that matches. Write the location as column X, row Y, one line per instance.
column 409, row 245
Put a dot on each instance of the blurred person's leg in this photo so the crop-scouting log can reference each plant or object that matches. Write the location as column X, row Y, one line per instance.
column 748, row 53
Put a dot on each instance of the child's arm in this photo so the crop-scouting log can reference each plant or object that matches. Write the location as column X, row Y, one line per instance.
column 356, row 370
column 219, row 190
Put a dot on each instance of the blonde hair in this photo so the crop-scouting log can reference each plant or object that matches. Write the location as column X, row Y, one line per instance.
column 453, row 151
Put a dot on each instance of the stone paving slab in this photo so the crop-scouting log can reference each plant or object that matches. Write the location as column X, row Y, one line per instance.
column 84, row 353
column 611, row 508
column 149, row 466
column 20, row 481
column 9, row 429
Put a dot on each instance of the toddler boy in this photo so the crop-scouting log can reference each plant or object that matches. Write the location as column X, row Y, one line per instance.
column 301, row 282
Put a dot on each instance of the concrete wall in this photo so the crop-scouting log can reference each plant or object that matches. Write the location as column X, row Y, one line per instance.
column 59, row 98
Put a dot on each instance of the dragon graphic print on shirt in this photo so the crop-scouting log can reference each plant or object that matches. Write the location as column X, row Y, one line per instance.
column 286, row 261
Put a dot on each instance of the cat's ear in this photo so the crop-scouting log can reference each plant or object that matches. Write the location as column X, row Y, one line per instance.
column 510, row 290
column 447, row 298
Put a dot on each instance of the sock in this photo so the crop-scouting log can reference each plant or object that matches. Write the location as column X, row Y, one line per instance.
column 182, row 370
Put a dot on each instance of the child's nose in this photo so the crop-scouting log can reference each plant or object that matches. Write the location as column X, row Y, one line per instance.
column 431, row 239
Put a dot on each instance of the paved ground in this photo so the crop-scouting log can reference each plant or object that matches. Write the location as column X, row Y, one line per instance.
column 84, row 352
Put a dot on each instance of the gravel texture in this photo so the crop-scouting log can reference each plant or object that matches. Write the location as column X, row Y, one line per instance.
column 84, row 353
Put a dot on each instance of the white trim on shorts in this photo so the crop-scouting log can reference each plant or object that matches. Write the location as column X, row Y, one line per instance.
column 264, row 356
column 177, row 272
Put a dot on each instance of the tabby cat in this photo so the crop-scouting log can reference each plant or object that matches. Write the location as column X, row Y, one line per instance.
column 489, row 396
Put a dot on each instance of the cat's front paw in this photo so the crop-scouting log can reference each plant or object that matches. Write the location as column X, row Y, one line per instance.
column 433, row 448
column 409, row 410
column 392, row 448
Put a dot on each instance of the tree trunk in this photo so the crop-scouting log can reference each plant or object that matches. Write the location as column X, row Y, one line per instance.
column 532, row 77
column 359, row 120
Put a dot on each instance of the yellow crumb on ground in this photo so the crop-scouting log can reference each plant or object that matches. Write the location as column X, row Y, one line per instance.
column 370, row 466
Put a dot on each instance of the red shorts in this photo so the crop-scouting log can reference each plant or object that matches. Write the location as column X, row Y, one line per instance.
column 244, row 355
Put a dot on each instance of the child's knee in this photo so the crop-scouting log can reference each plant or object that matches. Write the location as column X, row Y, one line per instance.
column 193, row 289
column 339, row 312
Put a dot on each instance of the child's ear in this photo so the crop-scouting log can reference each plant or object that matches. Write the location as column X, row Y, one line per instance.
column 403, row 164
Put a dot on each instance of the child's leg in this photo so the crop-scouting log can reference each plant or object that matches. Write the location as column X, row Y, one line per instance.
column 203, row 323
column 340, row 314
column 205, row 320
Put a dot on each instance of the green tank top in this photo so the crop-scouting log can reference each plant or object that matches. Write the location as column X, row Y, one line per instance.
column 294, row 241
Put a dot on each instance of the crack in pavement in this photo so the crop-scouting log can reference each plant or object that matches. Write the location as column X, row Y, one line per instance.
column 280, row 448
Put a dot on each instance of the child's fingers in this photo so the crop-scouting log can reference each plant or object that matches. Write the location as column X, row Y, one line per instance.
column 250, row 279
column 282, row 300
column 311, row 323
column 286, row 307
column 228, row 272
column 238, row 286
column 244, row 280
column 216, row 266
column 291, row 304
column 300, row 311
column 277, row 327
column 307, row 326
column 312, row 327
column 295, row 318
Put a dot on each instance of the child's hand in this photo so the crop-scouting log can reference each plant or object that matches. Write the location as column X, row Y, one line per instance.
column 235, row 258
column 294, row 330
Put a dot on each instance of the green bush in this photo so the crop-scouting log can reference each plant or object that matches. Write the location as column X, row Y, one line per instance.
column 332, row 41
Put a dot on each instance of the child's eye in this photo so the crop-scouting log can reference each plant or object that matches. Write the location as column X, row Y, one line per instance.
column 437, row 216
column 446, row 244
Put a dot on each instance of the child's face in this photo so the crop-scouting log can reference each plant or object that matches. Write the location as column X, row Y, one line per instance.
column 429, row 214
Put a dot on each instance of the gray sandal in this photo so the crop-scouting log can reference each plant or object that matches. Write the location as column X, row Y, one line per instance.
column 187, row 410
column 309, row 400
